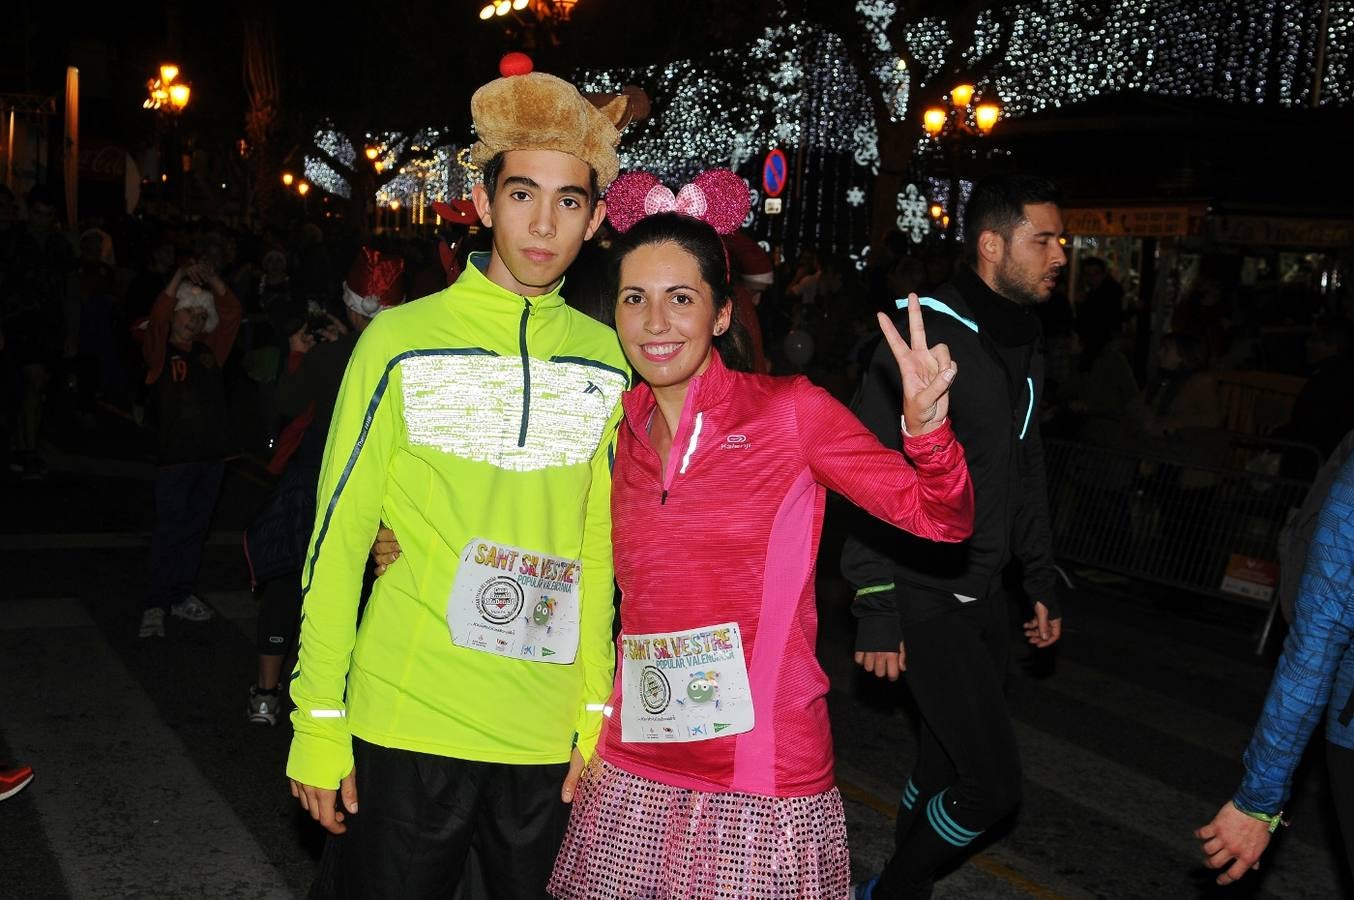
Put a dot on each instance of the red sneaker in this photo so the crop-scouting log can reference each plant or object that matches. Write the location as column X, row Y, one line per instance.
column 13, row 780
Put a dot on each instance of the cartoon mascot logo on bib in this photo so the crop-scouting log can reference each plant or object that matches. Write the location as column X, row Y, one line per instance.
column 703, row 687
column 543, row 612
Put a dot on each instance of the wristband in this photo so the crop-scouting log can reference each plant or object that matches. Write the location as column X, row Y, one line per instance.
column 1273, row 820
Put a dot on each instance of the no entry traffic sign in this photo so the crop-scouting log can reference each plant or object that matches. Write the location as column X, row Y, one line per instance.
column 773, row 173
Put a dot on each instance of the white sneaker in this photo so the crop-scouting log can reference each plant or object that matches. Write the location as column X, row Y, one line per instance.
column 152, row 623
column 193, row 609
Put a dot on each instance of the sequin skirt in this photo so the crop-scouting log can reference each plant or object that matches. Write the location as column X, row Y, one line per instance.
column 633, row 838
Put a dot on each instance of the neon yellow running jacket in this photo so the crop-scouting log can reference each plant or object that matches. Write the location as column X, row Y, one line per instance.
column 474, row 413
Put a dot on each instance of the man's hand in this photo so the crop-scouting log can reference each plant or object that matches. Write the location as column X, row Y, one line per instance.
column 320, row 802
column 385, row 551
column 1041, row 631
column 882, row 663
column 1233, row 837
column 566, row 793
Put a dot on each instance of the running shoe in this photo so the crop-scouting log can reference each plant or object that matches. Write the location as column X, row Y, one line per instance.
column 152, row 623
column 262, row 708
column 14, row 779
column 192, row 609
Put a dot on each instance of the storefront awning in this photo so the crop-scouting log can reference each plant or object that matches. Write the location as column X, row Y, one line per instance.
column 1275, row 231
column 1135, row 221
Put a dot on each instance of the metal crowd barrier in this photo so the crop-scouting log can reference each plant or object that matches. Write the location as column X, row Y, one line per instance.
column 1202, row 513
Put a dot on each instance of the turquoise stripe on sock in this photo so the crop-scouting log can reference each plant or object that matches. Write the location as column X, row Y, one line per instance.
column 909, row 795
column 948, row 829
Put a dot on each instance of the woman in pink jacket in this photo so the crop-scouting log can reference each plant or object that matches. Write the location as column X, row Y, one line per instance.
column 715, row 771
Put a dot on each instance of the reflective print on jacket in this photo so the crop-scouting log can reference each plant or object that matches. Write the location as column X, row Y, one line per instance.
column 470, row 406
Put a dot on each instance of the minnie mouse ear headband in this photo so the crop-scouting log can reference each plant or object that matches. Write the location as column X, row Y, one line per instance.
column 373, row 283
column 717, row 197
column 526, row 110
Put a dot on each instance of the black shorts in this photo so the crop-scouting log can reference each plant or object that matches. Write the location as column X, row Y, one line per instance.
column 434, row 826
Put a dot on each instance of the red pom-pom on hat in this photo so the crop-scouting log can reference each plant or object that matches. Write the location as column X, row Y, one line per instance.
column 515, row 63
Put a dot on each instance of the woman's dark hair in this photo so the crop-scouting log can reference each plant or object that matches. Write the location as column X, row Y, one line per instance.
column 705, row 244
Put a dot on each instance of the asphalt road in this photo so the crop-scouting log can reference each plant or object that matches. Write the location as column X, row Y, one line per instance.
column 151, row 783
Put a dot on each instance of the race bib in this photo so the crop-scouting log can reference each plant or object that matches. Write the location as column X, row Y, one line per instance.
column 515, row 602
column 684, row 686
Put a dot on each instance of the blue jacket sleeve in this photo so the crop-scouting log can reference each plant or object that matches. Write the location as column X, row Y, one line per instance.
column 1319, row 639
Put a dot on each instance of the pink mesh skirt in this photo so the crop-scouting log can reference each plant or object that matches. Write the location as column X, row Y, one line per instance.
column 630, row 837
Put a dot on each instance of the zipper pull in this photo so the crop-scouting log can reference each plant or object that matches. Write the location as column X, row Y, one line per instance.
column 663, row 501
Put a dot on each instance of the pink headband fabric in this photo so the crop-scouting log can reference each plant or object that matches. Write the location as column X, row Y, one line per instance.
column 717, row 197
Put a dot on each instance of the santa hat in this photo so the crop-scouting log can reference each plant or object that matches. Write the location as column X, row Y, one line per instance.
column 526, row 110
column 456, row 212
column 750, row 263
column 373, row 283
column 192, row 296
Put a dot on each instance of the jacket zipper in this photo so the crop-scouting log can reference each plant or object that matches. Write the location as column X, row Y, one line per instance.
column 670, row 472
column 526, row 375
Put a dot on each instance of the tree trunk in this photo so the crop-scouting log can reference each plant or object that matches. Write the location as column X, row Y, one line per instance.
column 362, row 194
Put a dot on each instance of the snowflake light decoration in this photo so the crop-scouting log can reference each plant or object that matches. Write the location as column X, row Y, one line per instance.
column 914, row 217
column 855, row 196
column 865, row 146
column 860, row 258
column 754, row 205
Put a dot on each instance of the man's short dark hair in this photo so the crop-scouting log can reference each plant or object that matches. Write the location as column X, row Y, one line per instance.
column 998, row 204
column 494, row 168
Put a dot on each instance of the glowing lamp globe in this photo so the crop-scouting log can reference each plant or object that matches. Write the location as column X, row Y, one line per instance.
column 514, row 63
column 933, row 120
column 961, row 94
column 985, row 116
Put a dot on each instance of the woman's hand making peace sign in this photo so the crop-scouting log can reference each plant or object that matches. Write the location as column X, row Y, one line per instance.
column 927, row 372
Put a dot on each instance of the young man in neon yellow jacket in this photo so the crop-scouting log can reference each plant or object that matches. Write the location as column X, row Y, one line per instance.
column 479, row 423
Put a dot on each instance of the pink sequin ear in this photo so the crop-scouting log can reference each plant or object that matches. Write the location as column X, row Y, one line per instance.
column 726, row 198
column 625, row 199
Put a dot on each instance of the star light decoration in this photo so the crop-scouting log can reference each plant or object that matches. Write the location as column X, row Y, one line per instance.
column 914, row 215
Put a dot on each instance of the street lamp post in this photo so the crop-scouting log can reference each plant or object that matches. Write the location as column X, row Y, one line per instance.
column 966, row 117
column 168, row 96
